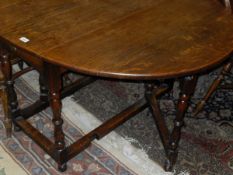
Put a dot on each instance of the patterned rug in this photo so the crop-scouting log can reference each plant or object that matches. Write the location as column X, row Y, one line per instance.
column 113, row 155
column 205, row 149
column 92, row 161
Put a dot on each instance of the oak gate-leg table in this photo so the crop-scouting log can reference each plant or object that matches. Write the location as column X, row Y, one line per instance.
column 145, row 40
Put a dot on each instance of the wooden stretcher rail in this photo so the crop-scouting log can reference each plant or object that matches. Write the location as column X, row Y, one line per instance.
column 40, row 105
column 86, row 140
column 104, row 129
column 38, row 137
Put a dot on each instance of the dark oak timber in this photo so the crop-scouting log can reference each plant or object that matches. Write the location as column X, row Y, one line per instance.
column 12, row 97
column 188, row 85
column 4, row 100
column 152, row 41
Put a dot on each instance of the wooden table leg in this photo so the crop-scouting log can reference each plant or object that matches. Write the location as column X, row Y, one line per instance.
column 4, row 98
column 226, row 70
column 11, row 94
column 151, row 91
column 169, row 139
column 54, row 81
column 188, row 86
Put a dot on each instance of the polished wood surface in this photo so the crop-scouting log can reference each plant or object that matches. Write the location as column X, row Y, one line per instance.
column 130, row 39
column 142, row 39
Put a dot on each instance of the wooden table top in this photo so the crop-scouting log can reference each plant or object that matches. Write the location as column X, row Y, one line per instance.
column 132, row 39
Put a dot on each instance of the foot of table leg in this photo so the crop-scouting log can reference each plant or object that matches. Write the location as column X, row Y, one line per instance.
column 168, row 165
column 62, row 167
column 171, row 140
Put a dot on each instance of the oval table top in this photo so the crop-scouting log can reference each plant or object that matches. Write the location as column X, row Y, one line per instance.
column 127, row 39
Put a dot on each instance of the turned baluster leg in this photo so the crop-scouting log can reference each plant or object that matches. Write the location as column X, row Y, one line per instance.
column 11, row 94
column 226, row 69
column 4, row 98
column 170, row 140
column 188, row 85
column 55, row 83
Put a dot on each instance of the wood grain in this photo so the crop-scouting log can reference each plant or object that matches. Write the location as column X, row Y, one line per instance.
column 141, row 39
column 130, row 39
